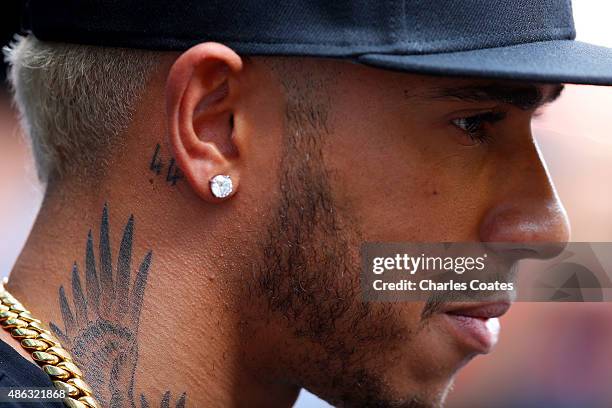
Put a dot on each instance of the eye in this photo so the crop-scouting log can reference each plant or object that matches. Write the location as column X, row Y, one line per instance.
column 474, row 126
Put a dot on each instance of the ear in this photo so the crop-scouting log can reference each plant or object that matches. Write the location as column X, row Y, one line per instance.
column 201, row 93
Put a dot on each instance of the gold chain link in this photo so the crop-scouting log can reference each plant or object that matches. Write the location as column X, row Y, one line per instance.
column 46, row 350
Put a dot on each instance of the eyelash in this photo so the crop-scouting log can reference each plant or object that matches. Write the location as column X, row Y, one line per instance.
column 473, row 125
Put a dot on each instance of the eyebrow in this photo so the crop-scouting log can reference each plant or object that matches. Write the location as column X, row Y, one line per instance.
column 525, row 97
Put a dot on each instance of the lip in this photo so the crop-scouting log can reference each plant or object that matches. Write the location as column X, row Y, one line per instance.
column 475, row 325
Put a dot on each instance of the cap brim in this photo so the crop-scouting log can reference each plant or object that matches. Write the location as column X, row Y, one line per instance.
column 559, row 61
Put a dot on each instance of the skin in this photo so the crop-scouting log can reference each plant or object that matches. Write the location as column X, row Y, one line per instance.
column 250, row 298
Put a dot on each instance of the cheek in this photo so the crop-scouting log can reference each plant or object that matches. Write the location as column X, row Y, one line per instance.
column 396, row 190
column 397, row 174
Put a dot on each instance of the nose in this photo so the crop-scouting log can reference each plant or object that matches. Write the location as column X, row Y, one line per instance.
column 528, row 219
column 527, row 229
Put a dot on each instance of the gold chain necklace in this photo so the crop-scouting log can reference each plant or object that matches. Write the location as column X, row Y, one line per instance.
column 46, row 350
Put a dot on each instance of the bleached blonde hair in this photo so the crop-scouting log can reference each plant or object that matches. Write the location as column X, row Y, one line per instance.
column 75, row 100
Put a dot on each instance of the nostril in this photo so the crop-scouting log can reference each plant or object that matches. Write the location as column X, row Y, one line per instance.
column 525, row 250
column 521, row 253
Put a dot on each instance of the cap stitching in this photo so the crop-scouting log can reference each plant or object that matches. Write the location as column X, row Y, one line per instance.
column 554, row 30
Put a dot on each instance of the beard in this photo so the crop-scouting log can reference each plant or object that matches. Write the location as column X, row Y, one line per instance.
column 309, row 279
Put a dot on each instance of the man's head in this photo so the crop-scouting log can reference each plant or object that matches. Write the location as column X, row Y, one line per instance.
column 324, row 155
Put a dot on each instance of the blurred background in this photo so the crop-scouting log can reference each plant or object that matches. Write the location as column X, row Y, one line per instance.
column 550, row 355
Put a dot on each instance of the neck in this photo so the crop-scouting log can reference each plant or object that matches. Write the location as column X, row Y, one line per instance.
column 147, row 318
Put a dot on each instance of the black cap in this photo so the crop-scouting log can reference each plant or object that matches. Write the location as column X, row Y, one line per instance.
column 10, row 22
column 516, row 39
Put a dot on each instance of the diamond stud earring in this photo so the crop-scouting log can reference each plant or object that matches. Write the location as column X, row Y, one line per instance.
column 221, row 186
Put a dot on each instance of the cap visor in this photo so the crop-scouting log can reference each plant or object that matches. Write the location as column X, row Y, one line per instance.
column 559, row 61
